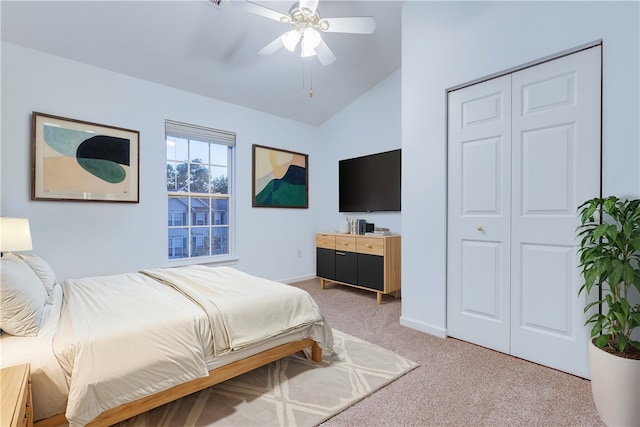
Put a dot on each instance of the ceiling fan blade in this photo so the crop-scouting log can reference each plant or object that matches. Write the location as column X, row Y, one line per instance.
column 324, row 54
column 357, row 25
column 272, row 47
column 312, row 5
column 260, row 10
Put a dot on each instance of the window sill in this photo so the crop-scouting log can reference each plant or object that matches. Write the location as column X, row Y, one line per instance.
column 205, row 260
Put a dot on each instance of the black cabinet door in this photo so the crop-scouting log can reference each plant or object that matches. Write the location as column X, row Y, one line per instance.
column 347, row 267
column 371, row 271
column 326, row 263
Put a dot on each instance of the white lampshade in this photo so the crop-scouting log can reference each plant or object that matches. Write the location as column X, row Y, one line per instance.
column 311, row 37
column 290, row 39
column 310, row 40
column 15, row 234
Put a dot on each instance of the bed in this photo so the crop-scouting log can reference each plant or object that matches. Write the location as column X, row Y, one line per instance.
column 104, row 349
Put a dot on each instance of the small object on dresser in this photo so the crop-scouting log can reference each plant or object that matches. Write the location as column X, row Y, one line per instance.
column 345, row 225
column 357, row 226
column 379, row 231
column 361, row 226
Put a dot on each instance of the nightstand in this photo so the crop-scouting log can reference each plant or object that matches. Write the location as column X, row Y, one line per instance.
column 15, row 383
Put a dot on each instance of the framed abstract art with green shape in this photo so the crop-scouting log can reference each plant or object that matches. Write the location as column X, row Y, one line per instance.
column 280, row 178
column 78, row 160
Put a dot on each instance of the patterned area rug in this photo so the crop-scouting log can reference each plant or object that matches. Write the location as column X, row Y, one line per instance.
column 290, row 392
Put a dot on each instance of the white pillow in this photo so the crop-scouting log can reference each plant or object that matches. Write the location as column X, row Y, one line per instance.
column 22, row 297
column 42, row 269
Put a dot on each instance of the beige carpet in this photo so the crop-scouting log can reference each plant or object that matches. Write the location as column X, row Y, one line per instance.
column 290, row 392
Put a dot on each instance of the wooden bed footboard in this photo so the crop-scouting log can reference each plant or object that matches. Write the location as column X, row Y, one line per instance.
column 218, row 375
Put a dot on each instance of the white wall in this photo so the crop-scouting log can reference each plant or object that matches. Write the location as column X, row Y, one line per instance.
column 370, row 124
column 91, row 238
column 445, row 44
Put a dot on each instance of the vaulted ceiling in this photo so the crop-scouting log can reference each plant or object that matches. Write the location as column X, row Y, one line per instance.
column 211, row 50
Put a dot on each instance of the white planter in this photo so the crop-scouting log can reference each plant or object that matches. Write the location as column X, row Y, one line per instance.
column 615, row 384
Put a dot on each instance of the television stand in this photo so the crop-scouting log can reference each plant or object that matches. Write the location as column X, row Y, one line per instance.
column 361, row 261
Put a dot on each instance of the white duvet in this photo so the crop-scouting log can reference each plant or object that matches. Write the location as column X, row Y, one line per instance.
column 127, row 336
column 244, row 309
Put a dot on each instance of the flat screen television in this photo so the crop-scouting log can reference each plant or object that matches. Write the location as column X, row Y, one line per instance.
column 370, row 183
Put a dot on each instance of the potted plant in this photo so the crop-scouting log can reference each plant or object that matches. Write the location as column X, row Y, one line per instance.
column 609, row 261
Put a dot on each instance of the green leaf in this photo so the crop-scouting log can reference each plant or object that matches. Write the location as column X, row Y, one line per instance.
column 622, row 343
column 587, row 209
column 625, row 306
column 621, row 318
column 600, row 231
column 615, row 276
column 609, row 300
column 601, row 341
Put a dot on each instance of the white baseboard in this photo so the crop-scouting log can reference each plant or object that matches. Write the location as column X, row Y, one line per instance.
column 298, row 279
column 423, row 327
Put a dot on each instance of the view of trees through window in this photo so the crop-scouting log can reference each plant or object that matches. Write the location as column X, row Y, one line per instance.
column 196, row 177
column 198, row 172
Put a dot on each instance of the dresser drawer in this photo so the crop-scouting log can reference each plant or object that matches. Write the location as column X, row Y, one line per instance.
column 370, row 245
column 24, row 415
column 326, row 241
column 346, row 243
column 16, row 396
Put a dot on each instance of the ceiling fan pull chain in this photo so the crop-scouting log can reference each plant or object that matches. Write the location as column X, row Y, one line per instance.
column 310, row 80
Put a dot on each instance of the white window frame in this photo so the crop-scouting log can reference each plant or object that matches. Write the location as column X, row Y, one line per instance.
column 212, row 136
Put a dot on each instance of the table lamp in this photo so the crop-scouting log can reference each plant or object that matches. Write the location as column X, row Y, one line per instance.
column 14, row 235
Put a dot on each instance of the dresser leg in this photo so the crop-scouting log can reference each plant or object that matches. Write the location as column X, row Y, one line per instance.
column 379, row 297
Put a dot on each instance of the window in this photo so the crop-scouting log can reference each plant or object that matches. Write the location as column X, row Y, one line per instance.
column 199, row 189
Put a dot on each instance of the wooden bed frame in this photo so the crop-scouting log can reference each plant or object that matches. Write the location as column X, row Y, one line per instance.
column 218, row 375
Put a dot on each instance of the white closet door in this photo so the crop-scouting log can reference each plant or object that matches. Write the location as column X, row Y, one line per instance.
column 524, row 152
column 556, row 167
column 478, row 301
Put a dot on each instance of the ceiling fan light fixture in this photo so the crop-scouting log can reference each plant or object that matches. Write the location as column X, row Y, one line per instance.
column 311, row 37
column 324, row 25
column 307, row 26
column 290, row 39
column 307, row 51
column 307, row 13
column 310, row 40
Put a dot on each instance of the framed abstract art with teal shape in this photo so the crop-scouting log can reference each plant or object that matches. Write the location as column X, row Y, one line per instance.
column 78, row 160
column 280, row 178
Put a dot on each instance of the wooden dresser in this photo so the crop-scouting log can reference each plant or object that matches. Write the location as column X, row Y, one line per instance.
column 362, row 261
column 15, row 383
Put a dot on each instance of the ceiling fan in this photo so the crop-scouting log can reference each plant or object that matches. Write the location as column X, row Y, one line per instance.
column 307, row 27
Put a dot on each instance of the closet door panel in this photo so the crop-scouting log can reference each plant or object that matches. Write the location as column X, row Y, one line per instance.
column 479, row 209
column 556, row 164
